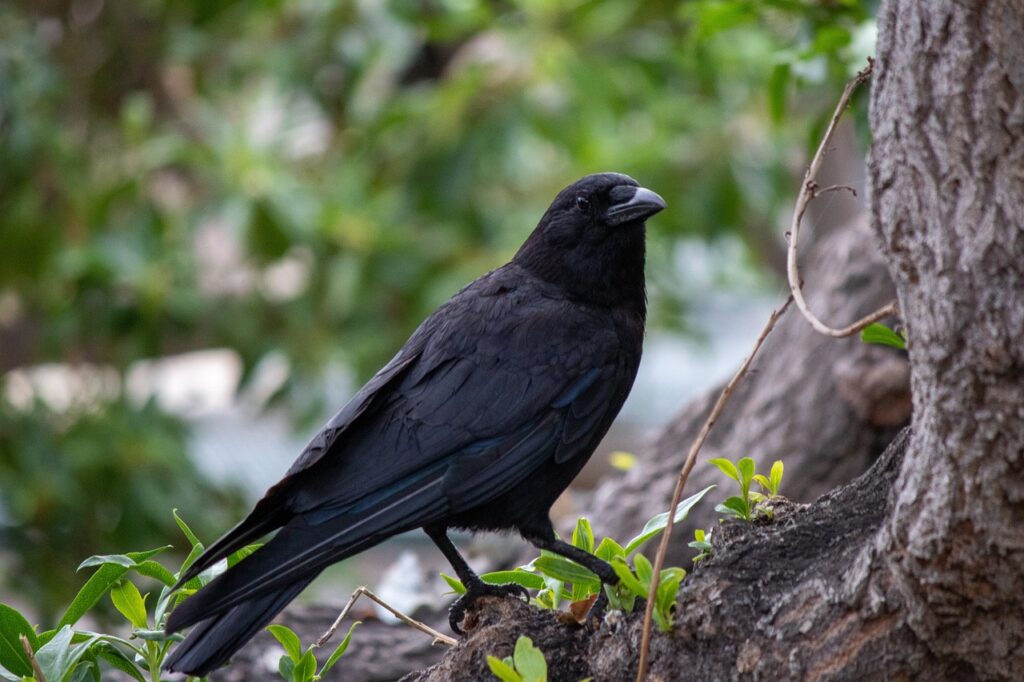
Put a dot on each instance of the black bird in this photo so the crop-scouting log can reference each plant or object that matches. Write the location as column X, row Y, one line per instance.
column 479, row 422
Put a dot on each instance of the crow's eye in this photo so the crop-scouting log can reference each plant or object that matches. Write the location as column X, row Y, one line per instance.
column 583, row 203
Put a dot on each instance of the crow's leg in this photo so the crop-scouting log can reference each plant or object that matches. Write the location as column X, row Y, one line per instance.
column 545, row 538
column 475, row 587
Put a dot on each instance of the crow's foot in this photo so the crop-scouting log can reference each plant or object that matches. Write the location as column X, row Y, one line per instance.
column 481, row 589
column 595, row 616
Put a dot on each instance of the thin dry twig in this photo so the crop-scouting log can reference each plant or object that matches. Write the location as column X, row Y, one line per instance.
column 363, row 590
column 36, row 670
column 677, row 494
column 808, row 192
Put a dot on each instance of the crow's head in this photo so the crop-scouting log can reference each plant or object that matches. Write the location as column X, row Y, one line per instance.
column 590, row 241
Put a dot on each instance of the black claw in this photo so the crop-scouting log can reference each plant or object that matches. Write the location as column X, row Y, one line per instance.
column 474, row 591
column 596, row 613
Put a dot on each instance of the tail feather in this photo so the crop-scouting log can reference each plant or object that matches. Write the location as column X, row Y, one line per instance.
column 215, row 640
column 302, row 548
column 262, row 520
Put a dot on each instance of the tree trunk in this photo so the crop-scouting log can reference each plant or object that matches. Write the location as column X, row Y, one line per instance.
column 914, row 570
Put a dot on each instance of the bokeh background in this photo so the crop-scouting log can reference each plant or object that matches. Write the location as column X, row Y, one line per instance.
column 219, row 217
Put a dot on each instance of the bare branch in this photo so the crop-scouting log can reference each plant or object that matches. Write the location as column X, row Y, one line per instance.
column 677, row 494
column 363, row 590
column 809, row 191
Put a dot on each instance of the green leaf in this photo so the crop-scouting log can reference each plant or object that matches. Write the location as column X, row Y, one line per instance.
column 668, row 587
column 668, row 591
column 194, row 553
column 58, row 657
column 727, row 468
column 8, row 676
column 155, row 570
column 529, row 580
column 128, row 560
column 454, row 583
column 98, row 584
column 129, row 602
column 502, row 670
column 529, row 661
column 288, row 639
column 246, row 551
column 644, row 570
column 12, row 655
column 609, row 549
column 554, row 585
column 735, row 506
column 117, row 659
column 658, row 523
column 762, row 481
column 84, row 671
column 776, row 476
column 189, row 535
column 777, row 83
column 880, row 334
column 565, row 570
column 746, row 466
column 286, row 668
column 305, row 668
column 339, row 651
column 583, row 535
column 626, row 576
column 100, row 560
column 158, row 635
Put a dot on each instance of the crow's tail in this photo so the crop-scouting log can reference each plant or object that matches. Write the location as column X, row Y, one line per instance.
column 216, row 639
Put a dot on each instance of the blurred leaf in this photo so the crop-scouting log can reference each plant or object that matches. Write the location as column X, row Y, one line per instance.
column 777, row 84
column 880, row 334
column 12, row 655
column 502, row 670
column 657, row 524
column 529, row 661
column 623, row 461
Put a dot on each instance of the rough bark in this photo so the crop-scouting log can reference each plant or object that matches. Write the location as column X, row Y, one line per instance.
column 914, row 570
column 948, row 180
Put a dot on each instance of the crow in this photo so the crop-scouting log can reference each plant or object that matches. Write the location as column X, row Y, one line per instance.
column 481, row 420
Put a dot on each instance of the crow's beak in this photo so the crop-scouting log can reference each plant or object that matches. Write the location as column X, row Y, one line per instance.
column 642, row 205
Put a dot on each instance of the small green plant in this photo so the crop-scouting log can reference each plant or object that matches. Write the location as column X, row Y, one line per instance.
column 884, row 336
column 297, row 665
column 742, row 506
column 526, row 664
column 771, row 484
column 557, row 579
column 65, row 654
column 701, row 542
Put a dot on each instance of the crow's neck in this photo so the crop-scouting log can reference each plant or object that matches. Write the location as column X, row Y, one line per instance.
column 611, row 274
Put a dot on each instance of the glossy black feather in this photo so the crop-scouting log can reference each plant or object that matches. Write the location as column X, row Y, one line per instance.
column 480, row 421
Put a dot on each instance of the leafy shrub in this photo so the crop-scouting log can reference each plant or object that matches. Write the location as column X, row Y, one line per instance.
column 557, row 579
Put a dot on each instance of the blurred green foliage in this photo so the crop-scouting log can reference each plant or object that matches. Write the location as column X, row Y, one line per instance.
column 73, row 482
column 311, row 178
